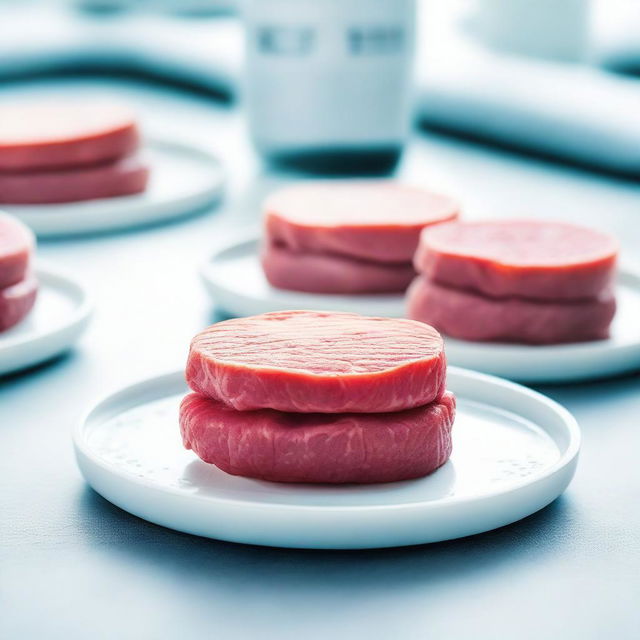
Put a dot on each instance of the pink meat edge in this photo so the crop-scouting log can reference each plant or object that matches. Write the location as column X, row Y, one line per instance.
column 389, row 239
column 444, row 262
column 470, row 316
column 332, row 274
column 80, row 153
column 319, row 448
column 402, row 363
column 127, row 176
column 16, row 302
column 17, row 244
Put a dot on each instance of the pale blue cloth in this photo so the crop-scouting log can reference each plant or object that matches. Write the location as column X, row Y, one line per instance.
column 573, row 112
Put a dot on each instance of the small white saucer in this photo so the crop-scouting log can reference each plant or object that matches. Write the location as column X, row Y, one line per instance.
column 59, row 317
column 566, row 362
column 234, row 278
column 514, row 452
column 183, row 180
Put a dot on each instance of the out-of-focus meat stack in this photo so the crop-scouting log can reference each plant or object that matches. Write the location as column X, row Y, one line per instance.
column 347, row 237
column 53, row 153
column 515, row 281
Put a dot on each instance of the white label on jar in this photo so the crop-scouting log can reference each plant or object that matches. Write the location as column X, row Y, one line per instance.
column 329, row 72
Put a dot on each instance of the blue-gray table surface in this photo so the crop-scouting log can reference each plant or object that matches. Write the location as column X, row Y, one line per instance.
column 74, row 566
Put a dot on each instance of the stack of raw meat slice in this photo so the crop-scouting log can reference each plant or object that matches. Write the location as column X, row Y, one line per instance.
column 18, row 285
column 515, row 281
column 306, row 396
column 347, row 237
column 68, row 152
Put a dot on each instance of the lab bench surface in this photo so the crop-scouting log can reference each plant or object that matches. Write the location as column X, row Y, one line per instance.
column 74, row 566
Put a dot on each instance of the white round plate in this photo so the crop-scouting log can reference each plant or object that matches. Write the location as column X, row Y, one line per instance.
column 514, row 452
column 233, row 276
column 183, row 180
column 567, row 362
column 59, row 317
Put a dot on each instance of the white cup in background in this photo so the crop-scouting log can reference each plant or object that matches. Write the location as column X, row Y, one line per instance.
column 330, row 79
column 552, row 29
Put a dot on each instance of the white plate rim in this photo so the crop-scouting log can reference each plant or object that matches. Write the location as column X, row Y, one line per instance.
column 46, row 273
column 566, row 458
column 29, row 214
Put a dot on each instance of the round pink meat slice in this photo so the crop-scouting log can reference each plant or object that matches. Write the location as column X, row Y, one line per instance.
column 374, row 220
column 55, row 135
column 339, row 448
column 314, row 361
column 325, row 273
column 16, row 246
column 530, row 259
column 470, row 316
column 123, row 177
column 16, row 301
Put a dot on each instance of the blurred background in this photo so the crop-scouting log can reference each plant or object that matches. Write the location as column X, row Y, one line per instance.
column 550, row 77
column 518, row 108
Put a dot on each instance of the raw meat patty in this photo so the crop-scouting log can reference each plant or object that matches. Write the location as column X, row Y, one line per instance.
column 538, row 260
column 314, row 361
column 16, row 301
column 325, row 273
column 378, row 221
column 16, row 246
column 64, row 135
column 294, row 447
column 470, row 316
column 120, row 178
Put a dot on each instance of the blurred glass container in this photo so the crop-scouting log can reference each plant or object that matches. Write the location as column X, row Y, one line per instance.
column 552, row 29
column 328, row 82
